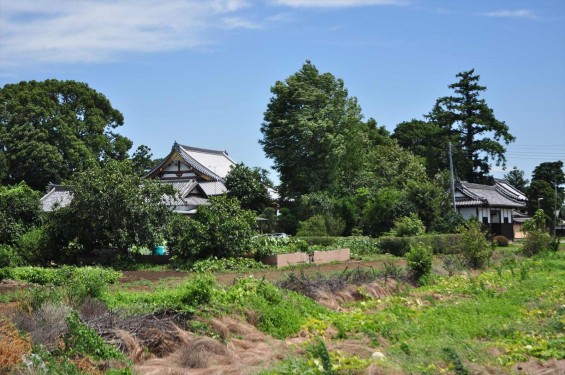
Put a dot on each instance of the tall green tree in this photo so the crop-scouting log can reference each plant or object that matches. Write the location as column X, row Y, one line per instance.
column 305, row 128
column 110, row 207
column 51, row 129
column 472, row 122
column 248, row 186
column 517, row 179
column 426, row 140
column 545, row 191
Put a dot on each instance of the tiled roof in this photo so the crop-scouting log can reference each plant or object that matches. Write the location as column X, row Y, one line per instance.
column 212, row 163
column 57, row 196
column 213, row 188
column 498, row 195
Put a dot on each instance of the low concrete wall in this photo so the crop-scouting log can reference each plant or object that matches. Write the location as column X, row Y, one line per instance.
column 284, row 260
column 339, row 255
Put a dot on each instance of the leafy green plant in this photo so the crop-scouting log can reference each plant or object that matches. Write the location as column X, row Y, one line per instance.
column 82, row 339
column 477, row 250
column 537, row 238
column 319, row 351
column 198, row 291
column 358, row 245
column 9, row 257
column 419, row 261
column 221, row 229
column 408, row 226
column 264, row 246
column 314, row 226
column 226, row 264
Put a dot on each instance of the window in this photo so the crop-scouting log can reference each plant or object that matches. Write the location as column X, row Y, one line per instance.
column 485, row 220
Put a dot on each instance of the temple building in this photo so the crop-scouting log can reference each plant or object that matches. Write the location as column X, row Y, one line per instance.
column 195, row 173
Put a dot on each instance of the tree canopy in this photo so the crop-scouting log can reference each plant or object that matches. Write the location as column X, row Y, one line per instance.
column 52, row 129
column 305, row 128
column 248, row 186
column 547, row 179
column 111, row 207
column 472, row 123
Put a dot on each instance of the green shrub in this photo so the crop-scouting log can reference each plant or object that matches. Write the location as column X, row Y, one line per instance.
column 9, row 257
column 537, row 238
column 397, row 246
column 408, row 226
column 477, row 250
column 419, row 261
column 32, row 246
column 220, row 229
column 535, row 242
column 501, row 241
column 314, row 226
column 198, row 291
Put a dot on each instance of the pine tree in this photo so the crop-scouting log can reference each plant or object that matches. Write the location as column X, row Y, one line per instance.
column 473, row 123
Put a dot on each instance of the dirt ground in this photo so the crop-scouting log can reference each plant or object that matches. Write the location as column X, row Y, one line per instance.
column 271, row 275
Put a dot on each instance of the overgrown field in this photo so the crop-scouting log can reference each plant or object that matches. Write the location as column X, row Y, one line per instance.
column 358, row 321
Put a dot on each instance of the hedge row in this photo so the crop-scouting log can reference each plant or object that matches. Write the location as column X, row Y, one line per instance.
column 59, row 276
column 439, row 243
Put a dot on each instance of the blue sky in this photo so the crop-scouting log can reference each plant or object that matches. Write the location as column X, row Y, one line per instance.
column 200, row 72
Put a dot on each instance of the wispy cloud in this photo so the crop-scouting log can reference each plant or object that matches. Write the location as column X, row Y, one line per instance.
column 337, row 3
column 512, row 13
column 70, row 31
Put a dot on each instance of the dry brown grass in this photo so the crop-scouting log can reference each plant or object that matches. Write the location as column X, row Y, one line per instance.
column 12, row 345
column 45, row 325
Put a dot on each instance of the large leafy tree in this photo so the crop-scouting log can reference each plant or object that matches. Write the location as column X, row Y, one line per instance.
column 472, row 123
column 51, row 129
column 426, row 140
column 305, row 128
column 545, row 191
column 110, row 207
column 248, row 186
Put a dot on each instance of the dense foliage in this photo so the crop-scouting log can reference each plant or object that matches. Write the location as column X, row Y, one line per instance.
column 111, row 207
column 52, row 129
column 19, row 212
column 248, row 186
column 471, row 122
column 220, row 229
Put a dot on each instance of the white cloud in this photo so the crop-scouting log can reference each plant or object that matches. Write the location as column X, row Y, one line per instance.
column 516, row 13
column 337, row 3
column 70, row 31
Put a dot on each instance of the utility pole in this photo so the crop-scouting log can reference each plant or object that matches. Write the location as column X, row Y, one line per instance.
column 452, row 181
column 555, row 210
